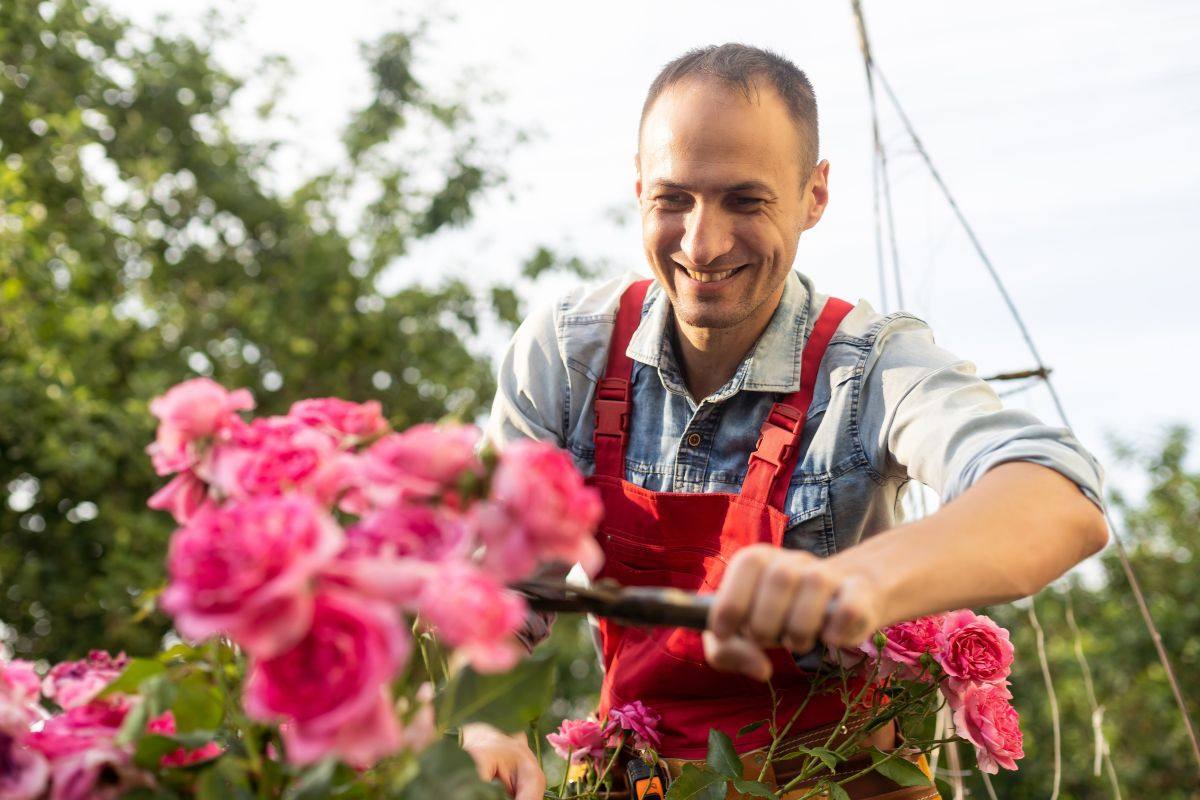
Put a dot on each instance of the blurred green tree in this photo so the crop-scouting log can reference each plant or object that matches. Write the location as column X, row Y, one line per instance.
column 1150, row 752
column 142, row 242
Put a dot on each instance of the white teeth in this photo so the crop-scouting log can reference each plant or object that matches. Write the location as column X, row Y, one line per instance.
column 709, row 277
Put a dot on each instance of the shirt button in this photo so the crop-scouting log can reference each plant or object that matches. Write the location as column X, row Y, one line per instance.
column 693, row 440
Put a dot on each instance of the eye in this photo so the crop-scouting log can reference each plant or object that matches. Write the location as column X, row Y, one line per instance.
column 674, row 200
column 744, row 202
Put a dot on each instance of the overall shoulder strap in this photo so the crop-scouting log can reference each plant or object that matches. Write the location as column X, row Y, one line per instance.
column 614, row 406
column 774, row 458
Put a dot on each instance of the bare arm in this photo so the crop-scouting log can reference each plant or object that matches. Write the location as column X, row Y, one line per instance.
column 1018, row 528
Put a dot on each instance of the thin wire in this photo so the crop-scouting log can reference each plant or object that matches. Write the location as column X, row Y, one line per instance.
column 1102, row 749
column 1054, row 721
column 875, row 169
column 1119, row 545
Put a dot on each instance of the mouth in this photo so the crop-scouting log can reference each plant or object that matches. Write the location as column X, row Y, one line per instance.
column 709, row 276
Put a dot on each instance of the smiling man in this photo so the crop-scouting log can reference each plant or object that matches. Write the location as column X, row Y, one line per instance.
column 754, row 437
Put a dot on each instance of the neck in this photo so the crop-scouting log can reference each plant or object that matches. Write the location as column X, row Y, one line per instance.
column 710, row 356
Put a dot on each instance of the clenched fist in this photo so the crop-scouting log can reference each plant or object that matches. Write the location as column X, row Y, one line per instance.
column 770, row 597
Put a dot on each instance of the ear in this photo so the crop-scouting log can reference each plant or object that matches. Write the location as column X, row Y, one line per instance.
column 817, row 194
column 637, row 169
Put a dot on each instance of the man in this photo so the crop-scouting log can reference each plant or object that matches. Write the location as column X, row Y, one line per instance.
column 754, row 437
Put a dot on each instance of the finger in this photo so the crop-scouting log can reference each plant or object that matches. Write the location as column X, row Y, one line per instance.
column 733, row 596
column 736, row 654
column 772, row 601
column 809, row 607
column 531, row 783
column 852, row 616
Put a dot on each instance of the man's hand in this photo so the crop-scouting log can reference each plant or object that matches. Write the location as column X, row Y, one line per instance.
column 507, row 758
column 771, row 596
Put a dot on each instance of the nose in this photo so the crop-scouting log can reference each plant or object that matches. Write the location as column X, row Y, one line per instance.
column 708, row 235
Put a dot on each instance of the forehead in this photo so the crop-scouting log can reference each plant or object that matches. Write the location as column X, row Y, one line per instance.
column 703, row 131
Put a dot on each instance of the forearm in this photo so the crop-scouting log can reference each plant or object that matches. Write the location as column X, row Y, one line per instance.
column 1020, row 527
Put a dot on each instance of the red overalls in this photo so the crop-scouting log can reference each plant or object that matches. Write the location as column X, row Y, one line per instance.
column 685, row 540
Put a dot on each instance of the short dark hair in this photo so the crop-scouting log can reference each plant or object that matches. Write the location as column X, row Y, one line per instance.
column 739, row 66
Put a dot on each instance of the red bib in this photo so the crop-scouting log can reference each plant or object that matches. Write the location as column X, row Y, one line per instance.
column 685, row 540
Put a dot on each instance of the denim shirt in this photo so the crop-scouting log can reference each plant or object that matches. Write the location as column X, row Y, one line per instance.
column 889, row 407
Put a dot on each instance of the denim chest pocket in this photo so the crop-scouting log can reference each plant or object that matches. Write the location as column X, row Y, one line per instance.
column 810, row 519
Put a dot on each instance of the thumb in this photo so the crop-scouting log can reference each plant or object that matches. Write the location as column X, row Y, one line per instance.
column 736, row 654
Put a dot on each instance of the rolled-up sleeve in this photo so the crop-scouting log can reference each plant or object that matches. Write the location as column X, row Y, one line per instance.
column 531, row 385
column 926, row 414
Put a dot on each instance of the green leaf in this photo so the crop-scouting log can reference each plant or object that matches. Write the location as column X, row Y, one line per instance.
column 755, row 789
column 898, row 769
column 827, row 757
column 721, row 756
column 836, row 792
column 130, row 679
column 198, row 705
column 134, row 723
column 315, row 783
column 151, row 748
column 697, row 783
column 510, row 700
column 445, row 771
column 753, row 726
column 225, row 780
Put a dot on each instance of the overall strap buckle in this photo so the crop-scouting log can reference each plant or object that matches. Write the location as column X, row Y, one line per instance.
column 778, row 437
column 612, row 408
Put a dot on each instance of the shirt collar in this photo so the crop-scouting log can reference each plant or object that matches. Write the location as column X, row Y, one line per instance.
column 773, row 365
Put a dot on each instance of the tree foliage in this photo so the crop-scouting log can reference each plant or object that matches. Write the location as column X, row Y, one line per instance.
column 142, row 243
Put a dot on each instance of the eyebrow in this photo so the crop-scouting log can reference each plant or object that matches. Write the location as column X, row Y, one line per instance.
column 744, row 186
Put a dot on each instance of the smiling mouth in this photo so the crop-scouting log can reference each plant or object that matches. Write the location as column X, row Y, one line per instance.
column 711, row 277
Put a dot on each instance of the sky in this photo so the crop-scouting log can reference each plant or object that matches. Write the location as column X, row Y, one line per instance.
column 1065, row 130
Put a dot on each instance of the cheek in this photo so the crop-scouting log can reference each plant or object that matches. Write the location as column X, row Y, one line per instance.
column 661, row 234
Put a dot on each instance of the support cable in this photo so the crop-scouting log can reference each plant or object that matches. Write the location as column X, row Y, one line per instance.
column 1054, row 720
column 875, row 176
column 1119, row 546
column 1102, row 751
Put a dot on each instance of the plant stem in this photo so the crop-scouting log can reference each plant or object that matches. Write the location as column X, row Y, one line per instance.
column 611, row 761
column 562, row 787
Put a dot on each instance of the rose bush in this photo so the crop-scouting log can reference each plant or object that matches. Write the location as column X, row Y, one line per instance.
column 341, row 591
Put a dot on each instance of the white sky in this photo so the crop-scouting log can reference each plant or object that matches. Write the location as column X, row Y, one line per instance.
column 1066, row 130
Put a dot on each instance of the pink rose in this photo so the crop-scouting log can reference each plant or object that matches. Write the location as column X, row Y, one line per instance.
column 164, row 725
column 341, row 418
column 102, row 772
column 906, row 643
column 331, row 690
column 540, row 511
column 23, row 771
column 475, row 614
column 987, row 719
column 420, row 726
column 272, row 455
column 76, row 683
column 973, row 648
column 423, row 462
column 181, row 497
column 20, row 690
column 246, row 570
column 391, row 553
column 579, row 740
column 187, row 413
column 639, row 720
column 80, row 728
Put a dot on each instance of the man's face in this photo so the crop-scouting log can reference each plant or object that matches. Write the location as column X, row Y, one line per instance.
column 724, row 197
